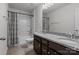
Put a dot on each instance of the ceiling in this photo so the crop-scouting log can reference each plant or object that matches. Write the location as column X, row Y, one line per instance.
column 55, row 7
column 24, row 6
column 29, row 7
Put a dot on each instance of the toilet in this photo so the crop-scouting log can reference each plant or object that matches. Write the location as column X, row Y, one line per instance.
column 25, row 41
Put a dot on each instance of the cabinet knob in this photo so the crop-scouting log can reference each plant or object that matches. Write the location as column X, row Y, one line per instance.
column 48, row 52
column 39, row 45
column 55, row 53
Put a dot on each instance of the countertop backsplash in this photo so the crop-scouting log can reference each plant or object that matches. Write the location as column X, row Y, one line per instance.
column 63, row 34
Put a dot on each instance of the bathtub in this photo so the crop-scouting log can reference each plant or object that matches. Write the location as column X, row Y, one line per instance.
column 24, row 39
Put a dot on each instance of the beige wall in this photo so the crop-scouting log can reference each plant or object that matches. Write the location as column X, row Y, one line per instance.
column 3, row 27
column 38, row 19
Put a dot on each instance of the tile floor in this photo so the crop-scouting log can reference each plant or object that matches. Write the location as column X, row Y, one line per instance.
column 19, row 50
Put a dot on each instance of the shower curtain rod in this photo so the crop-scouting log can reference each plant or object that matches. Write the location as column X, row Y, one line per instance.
column 27, row 14
column 21, row 13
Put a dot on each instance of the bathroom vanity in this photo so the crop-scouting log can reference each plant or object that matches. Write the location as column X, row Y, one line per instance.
column 48, row 44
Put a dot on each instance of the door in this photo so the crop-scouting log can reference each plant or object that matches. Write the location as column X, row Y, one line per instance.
column 3, row 28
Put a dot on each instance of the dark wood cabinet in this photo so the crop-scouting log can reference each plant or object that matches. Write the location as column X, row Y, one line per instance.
column 43, row 46
column 37, row 45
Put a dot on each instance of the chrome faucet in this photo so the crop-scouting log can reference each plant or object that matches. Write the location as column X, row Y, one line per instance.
column 75, row 33
column 70, row 35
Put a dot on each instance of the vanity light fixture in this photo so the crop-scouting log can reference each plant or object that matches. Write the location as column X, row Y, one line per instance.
column 47, row 5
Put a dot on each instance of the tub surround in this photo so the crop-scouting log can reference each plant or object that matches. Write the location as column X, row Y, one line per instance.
column 61, row 40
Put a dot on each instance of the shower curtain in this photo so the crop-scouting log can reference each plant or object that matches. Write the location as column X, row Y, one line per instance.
column 12, row 29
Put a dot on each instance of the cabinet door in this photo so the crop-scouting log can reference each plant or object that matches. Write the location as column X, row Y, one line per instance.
column 52, row 52
column 44, row 41
column 44, row 46
column 44, row 49
column 37, row 46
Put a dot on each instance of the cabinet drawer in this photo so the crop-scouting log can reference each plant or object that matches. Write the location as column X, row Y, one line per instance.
column 44, row 42
column 56, row 46
column 59, row 48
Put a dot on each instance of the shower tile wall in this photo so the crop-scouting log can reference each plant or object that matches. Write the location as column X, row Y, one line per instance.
column 23, row 26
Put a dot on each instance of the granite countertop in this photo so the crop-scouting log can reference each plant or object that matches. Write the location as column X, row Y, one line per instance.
column 70, row 43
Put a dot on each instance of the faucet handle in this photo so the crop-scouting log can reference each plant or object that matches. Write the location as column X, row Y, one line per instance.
column 70, row 33
column 76, row 32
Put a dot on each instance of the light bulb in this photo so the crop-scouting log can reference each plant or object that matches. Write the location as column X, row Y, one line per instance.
column 47, row 5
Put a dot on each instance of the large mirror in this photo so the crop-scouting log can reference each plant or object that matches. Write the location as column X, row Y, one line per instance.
column 63, row 17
